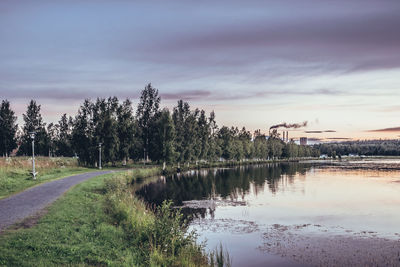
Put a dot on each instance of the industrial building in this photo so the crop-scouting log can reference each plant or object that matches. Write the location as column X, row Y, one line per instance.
column 285, row 137
column 303, row 141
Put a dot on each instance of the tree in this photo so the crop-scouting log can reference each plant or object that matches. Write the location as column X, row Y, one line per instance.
column 82, row 134
column 148, row 107
column 34, row 123
column 8, row 129
column 214, row 150
column 52, row 134
column 105, row 128
column 238, row 149
column 187, row 141
column 291, row 150
column 225, row 137
column 260, row 145
column 180, row 114
column 275, row 144
column 162, row 147
column 64, row 137
column 125, row 128
column 245, row 139
column 193, row 137
column 204, row 133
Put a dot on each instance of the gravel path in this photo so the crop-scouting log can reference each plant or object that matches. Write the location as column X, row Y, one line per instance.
column 27, row 203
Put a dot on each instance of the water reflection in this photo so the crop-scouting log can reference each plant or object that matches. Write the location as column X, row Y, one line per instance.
column 226, row 183
column 355, row 198
column 282, row 209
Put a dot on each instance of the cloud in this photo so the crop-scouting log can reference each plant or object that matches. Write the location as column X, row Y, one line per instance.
column 313, row 131
column 66, row 93
column 318, row 132
column 240, row 95
column 210, row 51
column 105, row 89
column 392, row 108
column 186, row 95
column 313, row 139
column 385, row 130
column 248, row 43
column 347, row 41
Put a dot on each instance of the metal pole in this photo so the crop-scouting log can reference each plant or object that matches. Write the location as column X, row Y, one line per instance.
column 33, row 160
column 100, row 156
column 32, row 134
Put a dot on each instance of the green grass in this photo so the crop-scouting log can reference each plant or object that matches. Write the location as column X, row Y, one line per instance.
column 100, row 223
column 15, row 173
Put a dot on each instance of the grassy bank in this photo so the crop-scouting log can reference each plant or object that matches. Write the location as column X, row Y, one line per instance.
column 99, row 222
column 15, row 172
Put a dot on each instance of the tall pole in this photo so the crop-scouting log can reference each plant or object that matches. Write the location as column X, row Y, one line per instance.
column 32, row 134
column 100, row 156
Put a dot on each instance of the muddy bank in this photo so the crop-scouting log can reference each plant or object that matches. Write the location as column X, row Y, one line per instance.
column 366, row 164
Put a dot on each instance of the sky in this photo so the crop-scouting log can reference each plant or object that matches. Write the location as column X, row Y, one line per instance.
column 334, row 64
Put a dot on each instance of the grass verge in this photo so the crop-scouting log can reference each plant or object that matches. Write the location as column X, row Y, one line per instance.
column 15, row 172
column 100, row 223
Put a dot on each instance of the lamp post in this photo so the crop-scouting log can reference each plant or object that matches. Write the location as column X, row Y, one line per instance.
column 32, row 135
column 100, row 155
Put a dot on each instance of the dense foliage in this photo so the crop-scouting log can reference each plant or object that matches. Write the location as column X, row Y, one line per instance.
column 34, row 123
column 366, row 147
column 152, row 134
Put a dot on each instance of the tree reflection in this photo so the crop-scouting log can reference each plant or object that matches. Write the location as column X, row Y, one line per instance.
column 220, row 184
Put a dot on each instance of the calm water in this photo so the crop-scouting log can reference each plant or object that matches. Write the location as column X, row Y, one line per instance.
column 276, row 214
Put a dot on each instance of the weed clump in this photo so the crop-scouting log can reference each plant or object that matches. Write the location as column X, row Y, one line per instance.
column 160, row 236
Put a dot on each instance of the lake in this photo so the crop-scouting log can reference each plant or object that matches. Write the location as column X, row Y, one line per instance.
column 292, row 214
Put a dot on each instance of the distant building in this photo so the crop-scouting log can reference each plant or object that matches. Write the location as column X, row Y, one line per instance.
column 285, row 137
column 303, row 141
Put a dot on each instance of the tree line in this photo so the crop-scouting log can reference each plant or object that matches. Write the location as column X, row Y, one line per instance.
column 182, row 135
column 364, row 147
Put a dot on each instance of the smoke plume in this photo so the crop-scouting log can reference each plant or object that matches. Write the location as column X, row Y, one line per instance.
column 287, row 125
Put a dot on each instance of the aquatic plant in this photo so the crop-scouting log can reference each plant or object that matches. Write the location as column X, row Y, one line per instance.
column 220, row 258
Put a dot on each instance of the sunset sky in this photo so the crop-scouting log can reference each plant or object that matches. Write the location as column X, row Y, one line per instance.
column 335, row 64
